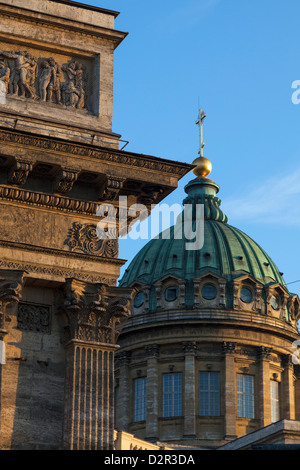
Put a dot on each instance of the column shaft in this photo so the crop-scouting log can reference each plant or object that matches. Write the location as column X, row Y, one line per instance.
column 124, row 394
column 264, row 387
column 288, row 389
column 152, row 395
column 89, row 397
column 230, row 392
column 189, row 391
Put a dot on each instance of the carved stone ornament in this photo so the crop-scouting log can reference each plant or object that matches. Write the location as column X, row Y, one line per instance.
column 112, row 188
column 94, row 312
column 19, row 173
column 264, row 353
column 65, row 180
column 152, row 350
column 84, row 238
column 229, row 348
column 189, row 347
column 11, row 283
column 42, row 79
column 35, row 318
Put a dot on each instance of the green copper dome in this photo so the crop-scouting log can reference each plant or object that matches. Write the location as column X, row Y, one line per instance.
column 227, row 251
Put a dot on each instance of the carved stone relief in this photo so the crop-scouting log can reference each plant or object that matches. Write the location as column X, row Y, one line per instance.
column 36, row 318
column 43, row 79
column 83, row 238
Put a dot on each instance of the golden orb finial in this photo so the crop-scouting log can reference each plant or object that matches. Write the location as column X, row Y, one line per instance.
column 203, row 167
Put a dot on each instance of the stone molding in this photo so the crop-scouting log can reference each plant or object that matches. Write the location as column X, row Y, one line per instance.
column 49, row 270
column 49, row 201
column 85, row 150
column 85, row 30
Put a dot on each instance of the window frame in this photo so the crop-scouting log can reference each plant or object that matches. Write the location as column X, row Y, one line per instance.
column 172, row 399
column 213, row 396
column 244, row 398
column 275, row 401
column 140, row 399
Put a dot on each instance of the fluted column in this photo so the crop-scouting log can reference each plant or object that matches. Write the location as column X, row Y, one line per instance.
column 264, row 386
column 189, row 349
column 152, row 353
column 93, row 315
column 288, row 388
column 124, row 391
column 230, row 391
column 89, row 397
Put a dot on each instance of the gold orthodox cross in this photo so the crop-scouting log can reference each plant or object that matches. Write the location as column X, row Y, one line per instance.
column 199, row 123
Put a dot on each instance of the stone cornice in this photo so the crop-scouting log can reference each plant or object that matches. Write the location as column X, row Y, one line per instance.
column 228, row 318
column 58, row 23
column 49, row 201
column 54, row 271
column 88, row 7
column 88, row 151
column 62, row 253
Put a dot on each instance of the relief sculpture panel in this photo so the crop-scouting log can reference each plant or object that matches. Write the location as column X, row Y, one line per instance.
column 48, row 80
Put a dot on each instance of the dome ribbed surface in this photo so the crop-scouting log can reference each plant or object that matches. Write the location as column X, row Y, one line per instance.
column 227, row 251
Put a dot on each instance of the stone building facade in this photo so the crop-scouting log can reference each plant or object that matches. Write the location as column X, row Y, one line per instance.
column 61, row 312
column 210, row 352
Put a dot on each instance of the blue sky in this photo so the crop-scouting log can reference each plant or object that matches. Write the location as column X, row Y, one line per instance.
column 238, row 59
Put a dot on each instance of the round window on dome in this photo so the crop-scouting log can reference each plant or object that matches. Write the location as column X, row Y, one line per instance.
column 171, row 294
column 274, row 302
column 209, row 292
column 246, row 295
column 139, row 299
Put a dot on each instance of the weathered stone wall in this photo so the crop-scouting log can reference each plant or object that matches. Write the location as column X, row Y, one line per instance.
column 33, row 376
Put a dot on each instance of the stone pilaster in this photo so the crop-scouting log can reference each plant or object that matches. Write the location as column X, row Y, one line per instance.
column 264, row 385
column 297, row 392
column 189, row 349
column 93, row 316
column 230, row 390
column 152, row 352
column 124, row 391
column 288, row 394
column 11, row 284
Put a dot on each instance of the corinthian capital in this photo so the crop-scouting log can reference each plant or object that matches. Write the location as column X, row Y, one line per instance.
column 94, row 312
column 11, row 283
